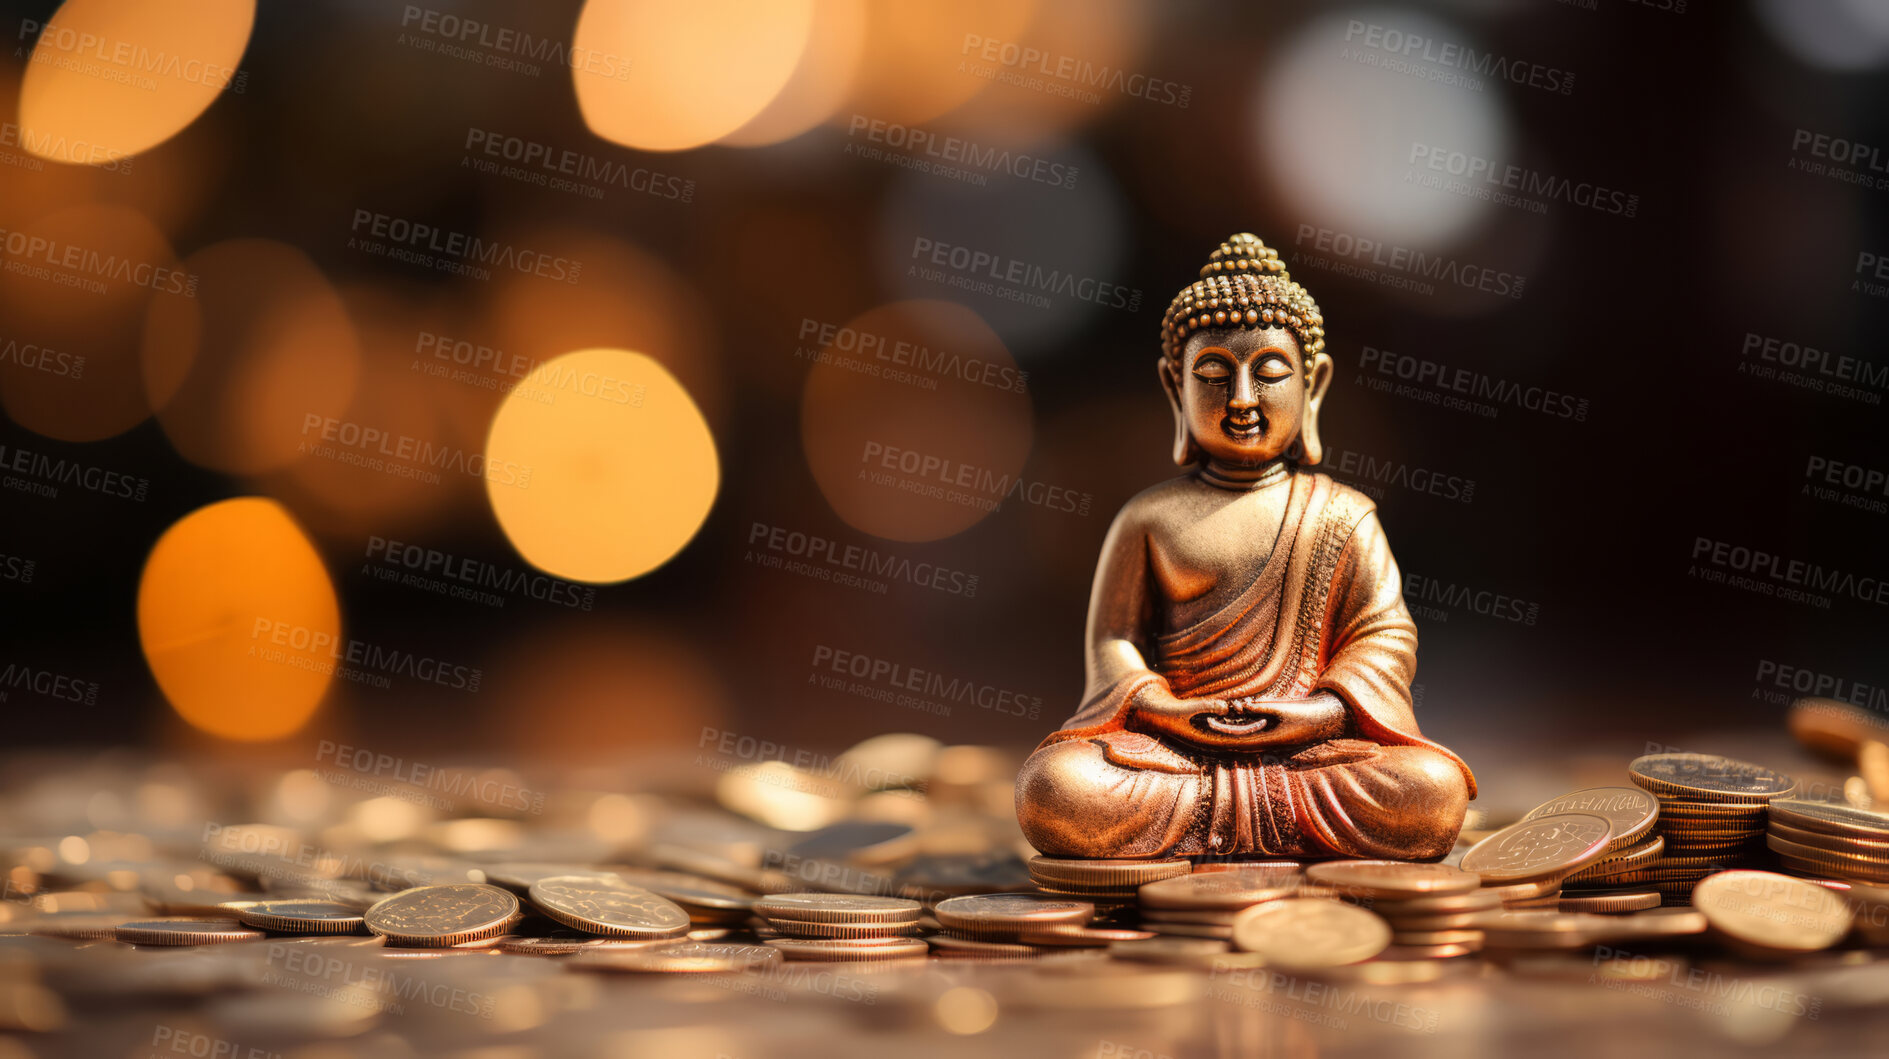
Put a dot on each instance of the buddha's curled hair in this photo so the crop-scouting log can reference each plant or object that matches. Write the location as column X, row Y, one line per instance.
column 1243, row 284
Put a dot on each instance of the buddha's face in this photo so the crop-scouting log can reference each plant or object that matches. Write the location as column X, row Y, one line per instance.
column 1244, row 394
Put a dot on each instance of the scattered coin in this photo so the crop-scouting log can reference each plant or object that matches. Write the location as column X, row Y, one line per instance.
column 838, row 908
column 1066, row 934
column 1229, row 889
column 608, row 905
column 1629, row 811
column 300, row 917
column 562, row 943
column 442, row 915
column 849, row 949
column 795, row 928
column 1609, row 901
column 1392, row 879
column 184, row 932
column 1545, row 847
column 1101, row 874
column 679, row 957
column 1007, row 913
column 1774, row 911
column 951, row 944
column 1304, row 932
column 1832, row 818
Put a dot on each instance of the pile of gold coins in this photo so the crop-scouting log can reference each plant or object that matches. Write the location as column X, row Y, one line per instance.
column 1711, row 815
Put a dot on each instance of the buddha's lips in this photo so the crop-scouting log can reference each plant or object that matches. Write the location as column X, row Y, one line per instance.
column 1243, row 427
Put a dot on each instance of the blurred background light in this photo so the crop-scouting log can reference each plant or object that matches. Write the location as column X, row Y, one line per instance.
column 1839, row 35
column 691, row 72
column 110, row 78
column 622, row 467
column 820, row 81
column 238, row 620
column 914, row 65
column 1333, row 137
column 915, row 421
column 75, row 291
column 234, row 371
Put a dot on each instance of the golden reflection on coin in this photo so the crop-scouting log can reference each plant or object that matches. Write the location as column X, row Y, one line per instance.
column 1831, row 818
column 1392, row 879
column 1774, row 911
column 1307, row 932
column 608, row 905
column 682, row 957
column 796, row 928
column 1226, row 890
column 1099, row 874
column 1608, row 901
column 836, row 949
column 443, row 915
column 1545, row 847
column 1708, row 777
column 1630, row 811
column 1006, row 913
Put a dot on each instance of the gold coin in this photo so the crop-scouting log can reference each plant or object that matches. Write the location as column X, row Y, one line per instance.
column 1525, row 891
column 797, row 928
column 1395, row 954
column 1616, row 862
column 1000, row 912
column 518, row 877
column 1070, row 936
column 183, row 932
column 1630, row 811
column 442, row 915
column 1865, row 859
column 1307, row 932
column 838, row 908
column 1205, row 866
column 1454, row 921
column 1545, row 847
column 79, row 926
column 1196, row 952
column 956, row 946
column 1392, row 879
column 1772, row 910
column 300, row 917
column 1708, row 777
column 608, row 905
column 677, row 957
column 562, row 943
column 837, row 949
column 1608, row 901
column 1066, row 872
column 1230, row 890
column 1831, row 818
column 1450, row 904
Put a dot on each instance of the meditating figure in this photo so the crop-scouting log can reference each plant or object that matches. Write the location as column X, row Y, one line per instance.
column 1249, row 652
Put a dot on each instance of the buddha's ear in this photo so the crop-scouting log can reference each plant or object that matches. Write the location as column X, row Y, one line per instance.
column 1185, row 451
column 1317, row 380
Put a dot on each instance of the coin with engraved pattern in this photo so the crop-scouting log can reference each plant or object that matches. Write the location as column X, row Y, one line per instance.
column 1709, row 778
column 1391, row 879
column 608, row 905
column 1546, row 847
column 1307, row 932
column 443, row 915
column 1773, row 911
column 1630, row 811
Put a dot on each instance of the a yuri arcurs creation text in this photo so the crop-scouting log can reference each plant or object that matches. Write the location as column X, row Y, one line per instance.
column 1249, row 653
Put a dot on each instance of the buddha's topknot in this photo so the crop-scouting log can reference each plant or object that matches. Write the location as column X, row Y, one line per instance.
column 1243, row 284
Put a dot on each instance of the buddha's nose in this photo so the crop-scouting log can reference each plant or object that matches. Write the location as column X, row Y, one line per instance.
column 1243, row 394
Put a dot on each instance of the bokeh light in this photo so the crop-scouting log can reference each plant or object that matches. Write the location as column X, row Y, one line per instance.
column 819, row 83
column 1334, row 137
column 73, row 299
column 111, row 78
column 914, row 65
column 622, row 466
column 1059, row 72
column 238, row 620
column 693, row 72
column 233, row 371
column 1838, row 35
column 915, row 421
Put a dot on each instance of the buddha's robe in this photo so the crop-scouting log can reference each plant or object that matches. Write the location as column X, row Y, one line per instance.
column 1326, row 612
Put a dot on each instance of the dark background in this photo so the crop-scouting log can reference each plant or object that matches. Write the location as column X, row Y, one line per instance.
column 1593, row 521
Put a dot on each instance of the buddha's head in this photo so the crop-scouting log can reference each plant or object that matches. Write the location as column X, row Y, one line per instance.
column 1243, row 362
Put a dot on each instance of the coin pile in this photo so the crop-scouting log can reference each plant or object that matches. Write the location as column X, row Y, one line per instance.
column 1009, row 926
column 1825, row 839
column 1430, row 908
column 1103, row 882
column 1526, row 862
column 1204, row 904
column 1711, row 814
column 841, row 926
column 1632, row 814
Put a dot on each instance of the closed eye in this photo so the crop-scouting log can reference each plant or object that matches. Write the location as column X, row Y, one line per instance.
column 1273, row 369
column 1213, row 370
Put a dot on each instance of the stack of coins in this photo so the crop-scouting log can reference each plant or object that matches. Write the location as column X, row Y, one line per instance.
column 1204, row 904
column 450, row 914
column 1823, row 839
column 1102, row 882
column 1711, row 813
column 1525, row 862
column 1430, row 908
column 1008, row 926
column 841, row 926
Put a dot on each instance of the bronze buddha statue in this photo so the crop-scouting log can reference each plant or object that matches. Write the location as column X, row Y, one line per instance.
column 1249, row 654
